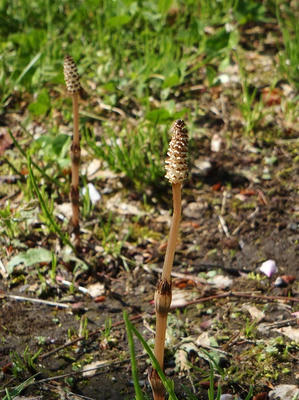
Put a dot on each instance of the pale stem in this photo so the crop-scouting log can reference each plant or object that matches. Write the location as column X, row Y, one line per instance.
column 161, row 323
column 174, row 230
column 76, row 116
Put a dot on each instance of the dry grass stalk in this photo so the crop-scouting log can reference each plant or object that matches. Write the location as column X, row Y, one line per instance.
column 176, row 171
column 72, row 81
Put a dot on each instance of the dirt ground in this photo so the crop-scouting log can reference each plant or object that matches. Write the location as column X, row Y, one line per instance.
column 240, row 209
column 230, row 225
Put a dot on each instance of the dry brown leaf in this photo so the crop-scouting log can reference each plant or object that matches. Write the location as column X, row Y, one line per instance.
column 290, row 332
column 254, row 312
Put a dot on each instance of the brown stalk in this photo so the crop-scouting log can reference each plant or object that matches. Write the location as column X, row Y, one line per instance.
column 177, row 170
column 72, row 81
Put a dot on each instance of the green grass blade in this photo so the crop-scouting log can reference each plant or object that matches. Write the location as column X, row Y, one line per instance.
column 138, row 392
column 250, row 393
column 45, row 210
column 155, row 363
column 46, row 176
column 12, row 393
column 28, row 67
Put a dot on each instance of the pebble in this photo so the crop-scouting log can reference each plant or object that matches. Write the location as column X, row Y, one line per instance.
column 269, row 268
column 284, row 392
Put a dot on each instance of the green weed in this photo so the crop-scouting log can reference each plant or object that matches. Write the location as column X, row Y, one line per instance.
column 9, row 221
column 137, row 153
column 251, row 108
column 15, row 392
column 138, row 391
column 21, row 364
column 250, row 329
column 46, row 208
column 289, row 56
column 166, row 382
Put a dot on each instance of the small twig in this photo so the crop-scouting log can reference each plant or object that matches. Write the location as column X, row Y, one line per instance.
column 231, row 341
column 39, row 301
column 224, row 226
column 223, row 204
column 82, row 289
column 261, row 297
column 3, row 271
column 238, row 294
column 182, row 276
column 110, row 108
column 215, row 349
column 280, row 324
column 202, row 300
column 250, row 216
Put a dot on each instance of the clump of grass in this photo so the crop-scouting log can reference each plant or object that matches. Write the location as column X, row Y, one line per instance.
column 289, row 57
column 177, row 169
column 72, row 81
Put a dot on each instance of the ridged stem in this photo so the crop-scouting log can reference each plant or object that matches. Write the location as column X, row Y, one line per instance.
column 75, row 157
column 163, row 292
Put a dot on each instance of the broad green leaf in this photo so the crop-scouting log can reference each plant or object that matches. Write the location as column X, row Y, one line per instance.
column 118, row 21
column 164, row 5
column 59, row 142
column 172, row 80
column 29, row 257
column 41, row 105
column 158, row 116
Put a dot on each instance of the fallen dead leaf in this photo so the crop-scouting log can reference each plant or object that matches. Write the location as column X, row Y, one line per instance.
column 254, row 312
column 203, row 339
column 100, row 299
column 181, row 297
column 290, row 332
column 181, row 360
column 271, row 96
column 221, row 281
column 91, row 369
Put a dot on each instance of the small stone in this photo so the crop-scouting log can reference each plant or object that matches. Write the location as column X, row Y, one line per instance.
column 269, row 268
column 194, row 210
column 293, row 226
column 226, row 397
column 284, row 280
column 284, row 392
column 94, row 195
column 216, row 143
column 202, row 167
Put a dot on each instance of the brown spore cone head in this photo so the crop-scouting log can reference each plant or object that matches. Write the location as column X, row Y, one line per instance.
column 176, row 163
column 71, row 76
